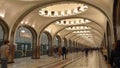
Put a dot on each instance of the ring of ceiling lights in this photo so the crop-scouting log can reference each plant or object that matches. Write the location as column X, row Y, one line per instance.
column 75, row 21
column 78, row 28
column 62, row 9
column 83, row 31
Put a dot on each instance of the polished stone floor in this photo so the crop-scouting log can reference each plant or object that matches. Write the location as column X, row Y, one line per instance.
column 91, row 61
column 74, row 60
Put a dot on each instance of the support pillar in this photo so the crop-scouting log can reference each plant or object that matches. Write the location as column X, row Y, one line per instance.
column 38, row 52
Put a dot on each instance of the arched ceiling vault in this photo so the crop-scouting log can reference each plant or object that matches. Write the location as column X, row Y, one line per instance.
column 34, row 18
column 76, row 16
column 69, row 32
column 95, row 34
column 59, row 27
column 84, row 42
column 73, row 37
column 63, row 31
column 104, row 6
column 28, row 14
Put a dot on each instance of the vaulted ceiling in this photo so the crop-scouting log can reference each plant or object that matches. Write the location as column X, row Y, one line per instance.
column 84, row 21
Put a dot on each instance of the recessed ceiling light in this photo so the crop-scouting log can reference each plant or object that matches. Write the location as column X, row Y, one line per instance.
column 33, row 26
column 2, row 14
column 22, row 22
column 26, row 22
column 23, row 31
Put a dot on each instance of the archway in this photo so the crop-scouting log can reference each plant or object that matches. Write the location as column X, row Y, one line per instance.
column 46, row 44
column 57, row 41
column 39, row 5
column 4, row 31
column 65, row 42
column 73, row 46
column 109, row 46
column 1, row 35
column 23, row 41
column 70, row 44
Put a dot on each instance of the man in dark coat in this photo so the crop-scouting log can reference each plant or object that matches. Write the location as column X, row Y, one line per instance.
column 64, row 52
column 115, row 56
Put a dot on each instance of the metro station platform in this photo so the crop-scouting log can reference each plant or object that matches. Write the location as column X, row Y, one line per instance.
column 74, row 60
column 38, row 28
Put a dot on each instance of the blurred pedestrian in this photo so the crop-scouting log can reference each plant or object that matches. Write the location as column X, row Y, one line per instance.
column 64, row 52
column 60, row 51
column 4, row 51
column 115, row 56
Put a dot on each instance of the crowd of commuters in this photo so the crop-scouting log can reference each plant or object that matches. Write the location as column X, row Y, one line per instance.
column 63, row 51
column 87, row 50
column 60, row 51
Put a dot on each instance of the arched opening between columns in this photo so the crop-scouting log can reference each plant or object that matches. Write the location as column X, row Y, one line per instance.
column 1, row 35
column 4, row 31
column 76, row 47
column 25, row 42
column 46, row 44
column 65, row 42
column 57, row 46
column 73, row 46
column 109, row 39
column 57, row 41
column 70, row 44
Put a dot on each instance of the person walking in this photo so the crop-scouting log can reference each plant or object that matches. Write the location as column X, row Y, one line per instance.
column 86, row 52
column 64, row 52
column 115, row 56
column 60, row 51
column 55, row 52
column 4, row 51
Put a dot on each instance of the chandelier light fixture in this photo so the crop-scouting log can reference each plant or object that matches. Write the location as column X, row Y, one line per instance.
column 62, row 9
column 73, row 22
column 78, row 28
column 82, row 31
column 84, row 34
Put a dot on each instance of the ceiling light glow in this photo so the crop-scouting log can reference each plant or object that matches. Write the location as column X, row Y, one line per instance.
column 76, row 8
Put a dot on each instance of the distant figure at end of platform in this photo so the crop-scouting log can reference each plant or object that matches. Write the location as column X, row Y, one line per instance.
column 64, row 52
